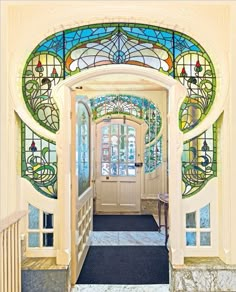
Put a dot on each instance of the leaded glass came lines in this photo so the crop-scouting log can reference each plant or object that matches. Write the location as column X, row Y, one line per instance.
column 39, row 162
column 199, row 161
column 165, row 50
column 140, row 108
column 153, row 156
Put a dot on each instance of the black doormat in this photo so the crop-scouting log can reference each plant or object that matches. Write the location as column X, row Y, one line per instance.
column 124, row 223
column 125, row 265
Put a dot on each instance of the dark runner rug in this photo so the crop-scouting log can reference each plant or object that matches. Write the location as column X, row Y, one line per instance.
column 124, row 223
column 125, row 265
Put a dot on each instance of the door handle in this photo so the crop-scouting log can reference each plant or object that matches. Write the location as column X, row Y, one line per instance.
column 107, row 177
column 138, row 164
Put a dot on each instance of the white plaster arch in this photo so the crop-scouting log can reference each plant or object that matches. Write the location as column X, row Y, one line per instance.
column 177, row 92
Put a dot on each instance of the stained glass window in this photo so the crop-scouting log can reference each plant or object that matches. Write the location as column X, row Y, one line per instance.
column 199, row 161
column 39, row 162
column 40, row 228
column 118, row 150
column 140, row 108
column 73, row 50
column 153, row 156
column 82, row 147
column 198, row 227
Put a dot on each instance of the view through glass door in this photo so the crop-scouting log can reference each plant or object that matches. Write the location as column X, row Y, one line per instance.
column 118, row 182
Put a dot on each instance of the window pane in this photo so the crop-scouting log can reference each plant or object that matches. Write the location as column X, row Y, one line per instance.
column 47, row 220
column 105, row 168
column 82, row 147
column 117, row 150
column 33, row 239
column 114, row 169
column 205, row 217
column 190, row 238
column 33, row 217
column 131, row 169
column 47, row 239
column 205, row 238
column 191, row 220
column 122, row 170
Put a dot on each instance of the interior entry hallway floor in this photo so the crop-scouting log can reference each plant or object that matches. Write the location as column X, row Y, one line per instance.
column 125, row 260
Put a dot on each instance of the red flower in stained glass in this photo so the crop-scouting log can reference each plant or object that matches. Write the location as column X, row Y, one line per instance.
column 33, row 148
column 54, row 72
column 39, row 67
column 198, row 67
column 183, row 72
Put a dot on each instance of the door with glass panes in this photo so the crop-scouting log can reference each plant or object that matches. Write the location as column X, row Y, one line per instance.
column 118, row 180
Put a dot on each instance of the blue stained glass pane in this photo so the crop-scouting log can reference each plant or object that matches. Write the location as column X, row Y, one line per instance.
column 86, row 32
column 33, row 217
column 137, row 30
column 70, row 34
column 166, row 34
column 150, row 32
column 205, row 217
column 191, row 238
column 100, row 30
column 205, row 238
column 33, row 239
column 191, row 220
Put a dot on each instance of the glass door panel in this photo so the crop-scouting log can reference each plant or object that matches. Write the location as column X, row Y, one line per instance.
column 118, row 150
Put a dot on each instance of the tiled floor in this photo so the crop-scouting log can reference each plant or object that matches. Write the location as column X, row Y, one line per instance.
column 127, row 238
column 121, row 288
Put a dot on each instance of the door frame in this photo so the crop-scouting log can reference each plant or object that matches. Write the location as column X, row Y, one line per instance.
column 176, row 95
column 117, row 119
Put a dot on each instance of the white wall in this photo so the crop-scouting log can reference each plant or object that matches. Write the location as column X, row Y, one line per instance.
column 212, row 24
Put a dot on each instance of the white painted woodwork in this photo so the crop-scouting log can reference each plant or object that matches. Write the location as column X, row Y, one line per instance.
column 81, row 207
column 118, row 193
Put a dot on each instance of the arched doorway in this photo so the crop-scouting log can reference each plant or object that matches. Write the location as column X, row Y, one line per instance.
column 176, row 93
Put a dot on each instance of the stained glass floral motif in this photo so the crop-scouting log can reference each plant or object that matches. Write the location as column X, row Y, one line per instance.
column 140, row 108
column 39, row 162
column 199, row 161
column 119, row 49
column 82, row 148
column 42, row 73
column 72, row 50
column 194, row 71
column 153, row 156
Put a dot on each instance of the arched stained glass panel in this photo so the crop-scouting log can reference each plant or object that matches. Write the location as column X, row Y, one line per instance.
column 140, row 108
column 153, row 156
column 39, row 162
column 70, row 51
column 199, row 161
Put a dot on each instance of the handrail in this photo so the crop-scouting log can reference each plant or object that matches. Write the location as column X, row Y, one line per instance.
column 11, row 219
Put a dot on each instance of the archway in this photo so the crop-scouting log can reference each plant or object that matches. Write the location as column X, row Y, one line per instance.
column 176, row 91
column 176, row 94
